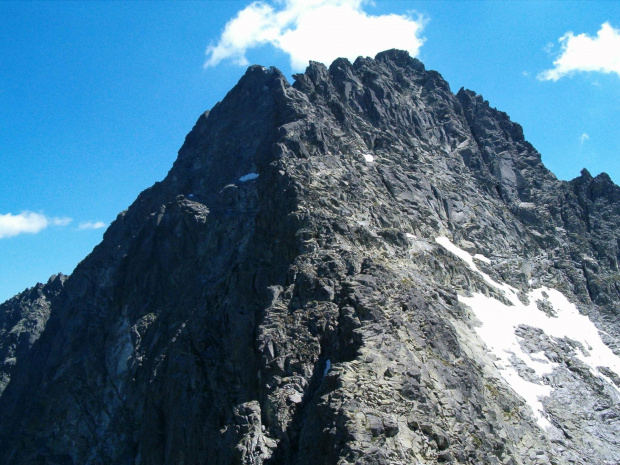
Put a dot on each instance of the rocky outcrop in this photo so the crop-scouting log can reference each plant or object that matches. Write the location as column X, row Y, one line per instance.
column 311, row 283
column 22, row 320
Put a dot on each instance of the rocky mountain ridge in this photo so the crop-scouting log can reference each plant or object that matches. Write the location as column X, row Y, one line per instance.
column 315, row 281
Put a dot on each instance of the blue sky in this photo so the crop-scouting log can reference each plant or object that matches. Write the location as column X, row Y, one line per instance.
column 97, row 97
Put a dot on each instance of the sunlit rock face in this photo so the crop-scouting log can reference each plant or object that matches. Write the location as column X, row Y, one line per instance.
column 361, row 267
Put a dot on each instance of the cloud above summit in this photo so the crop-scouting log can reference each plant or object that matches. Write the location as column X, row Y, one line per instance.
column 318, row 30
column 582, row 52
column 27, row 222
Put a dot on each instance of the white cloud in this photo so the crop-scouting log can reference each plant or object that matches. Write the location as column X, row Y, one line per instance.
column 27, row 222
column 584, row 53
column 92, row 225
column 59, row 221
column 319, row 30
column 584, row 137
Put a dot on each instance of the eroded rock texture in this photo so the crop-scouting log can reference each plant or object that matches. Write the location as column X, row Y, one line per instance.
column 281, row 298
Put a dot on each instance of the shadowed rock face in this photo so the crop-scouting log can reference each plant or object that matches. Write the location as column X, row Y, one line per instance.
column 305, row 313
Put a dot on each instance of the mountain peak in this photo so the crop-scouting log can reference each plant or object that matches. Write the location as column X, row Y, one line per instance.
column 400, row 58
column 362, row 267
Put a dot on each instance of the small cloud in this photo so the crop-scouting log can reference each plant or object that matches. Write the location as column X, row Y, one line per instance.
column 549, row 48
column 584, row 53
column 27, row 223
column 582, row 138
column 60, row 221
column 92, row 225
column 525, row 73
column 320, row 30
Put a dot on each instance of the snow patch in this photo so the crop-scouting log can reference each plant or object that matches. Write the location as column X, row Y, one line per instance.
column 450, row 247
column 248, row 177
column 498, row 332
column 499, row 323
column 511, row 292
column 482, row 258
column 368, row 158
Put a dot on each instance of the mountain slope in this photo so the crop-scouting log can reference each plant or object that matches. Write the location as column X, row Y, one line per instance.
column 300, row 289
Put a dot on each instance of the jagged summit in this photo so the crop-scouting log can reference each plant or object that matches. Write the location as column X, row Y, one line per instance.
column 361, row 267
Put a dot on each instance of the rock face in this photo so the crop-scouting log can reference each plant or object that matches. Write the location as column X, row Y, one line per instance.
column 22, row 320
column 362, row 267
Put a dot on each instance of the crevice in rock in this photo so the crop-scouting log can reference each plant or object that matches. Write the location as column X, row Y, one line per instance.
column 587, row 279
column 288, row 447
column 387, row 186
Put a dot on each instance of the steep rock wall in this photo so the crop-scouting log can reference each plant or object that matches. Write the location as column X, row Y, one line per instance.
column 295, row 291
